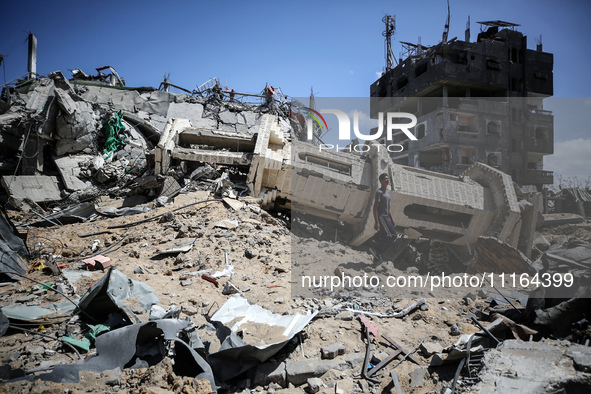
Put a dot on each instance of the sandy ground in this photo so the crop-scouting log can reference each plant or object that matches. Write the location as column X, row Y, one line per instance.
column 260, row 250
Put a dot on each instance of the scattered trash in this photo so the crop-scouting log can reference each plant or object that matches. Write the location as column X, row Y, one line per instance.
column 158, row 313
column 178, row 247
column 228, row 271
column 227, row 224
column 210, row 279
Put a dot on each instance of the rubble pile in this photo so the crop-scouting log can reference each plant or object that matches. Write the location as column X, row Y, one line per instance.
column 79, row 139
column 137, row 257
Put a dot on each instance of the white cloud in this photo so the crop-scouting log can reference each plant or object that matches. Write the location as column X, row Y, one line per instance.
column 571, row 159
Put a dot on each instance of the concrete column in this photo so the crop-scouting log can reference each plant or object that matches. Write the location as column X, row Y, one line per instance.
column 32, row 65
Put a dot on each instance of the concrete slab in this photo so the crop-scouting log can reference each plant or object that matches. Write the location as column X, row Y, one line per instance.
column 69, row 169
column 531, row 367
column 193, row 112
column 39, row 188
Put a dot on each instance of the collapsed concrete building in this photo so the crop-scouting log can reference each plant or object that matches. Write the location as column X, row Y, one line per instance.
column 340, row 186
column 479, row 101
column 166, row 139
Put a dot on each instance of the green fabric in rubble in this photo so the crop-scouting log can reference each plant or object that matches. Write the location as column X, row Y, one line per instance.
column 114, row 132
column 83, row 343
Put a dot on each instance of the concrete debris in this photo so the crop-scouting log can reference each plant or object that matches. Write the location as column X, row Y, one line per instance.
column 314, row 385
column 38, row 188
column 267, row 373
column 491, row 255
column 557, row 219
column 534, row 367
column 331, row 351
column 418, row 377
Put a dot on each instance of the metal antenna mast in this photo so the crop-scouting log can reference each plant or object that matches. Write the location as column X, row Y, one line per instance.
column 390, row 22
column 446, row 27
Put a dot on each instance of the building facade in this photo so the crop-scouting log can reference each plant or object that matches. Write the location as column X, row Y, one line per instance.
column 475, row 102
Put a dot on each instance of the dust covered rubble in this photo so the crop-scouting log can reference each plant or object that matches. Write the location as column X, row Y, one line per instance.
column 258, row 250
column 82, row 139
column 197, row 254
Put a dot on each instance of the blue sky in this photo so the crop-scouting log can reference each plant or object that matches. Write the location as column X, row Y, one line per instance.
column 336, row 47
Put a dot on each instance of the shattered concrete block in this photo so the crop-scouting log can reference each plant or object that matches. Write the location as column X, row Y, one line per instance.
column 558, row 219
column 581, row 357
column 541, row 242
column 69, row 170
column 38, row 98
column 428, row 348
column 230, row 289
column 314, row 385
column 193, row 112
column 76, row 131
column 418, row 376
column 345, row 316
column 170, row 188
column 9, row 118
column 331, row 351
column 267, row 373
column 535, row 367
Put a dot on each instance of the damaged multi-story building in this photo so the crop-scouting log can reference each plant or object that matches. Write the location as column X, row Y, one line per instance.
column 476, row 101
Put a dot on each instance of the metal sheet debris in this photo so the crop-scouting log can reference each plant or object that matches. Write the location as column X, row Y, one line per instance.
column 263, row 332
column 138, row 344
column 106, row 297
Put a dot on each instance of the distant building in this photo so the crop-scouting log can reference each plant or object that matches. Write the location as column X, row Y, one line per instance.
column 475, row 102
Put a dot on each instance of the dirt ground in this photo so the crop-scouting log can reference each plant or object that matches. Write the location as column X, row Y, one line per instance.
column 260, row 250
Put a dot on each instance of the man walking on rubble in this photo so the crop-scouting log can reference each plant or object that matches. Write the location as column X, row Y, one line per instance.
column 384, row 224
